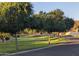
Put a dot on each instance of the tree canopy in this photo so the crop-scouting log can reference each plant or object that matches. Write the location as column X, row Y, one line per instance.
column 14, row 16
column 53, row 21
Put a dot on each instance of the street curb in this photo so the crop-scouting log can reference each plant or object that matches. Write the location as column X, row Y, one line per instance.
column 30, row 50
column 12, row 54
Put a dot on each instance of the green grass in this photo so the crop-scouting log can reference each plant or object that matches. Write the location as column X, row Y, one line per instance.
column 26, row 43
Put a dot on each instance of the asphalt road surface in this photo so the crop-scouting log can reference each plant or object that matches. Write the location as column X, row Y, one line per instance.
column 62, row 50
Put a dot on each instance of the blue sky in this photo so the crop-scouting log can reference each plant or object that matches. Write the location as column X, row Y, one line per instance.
column 71, row 9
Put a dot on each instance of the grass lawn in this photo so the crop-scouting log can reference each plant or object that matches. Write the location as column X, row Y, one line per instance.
column 26, row 43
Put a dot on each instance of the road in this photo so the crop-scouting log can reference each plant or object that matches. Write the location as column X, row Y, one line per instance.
column 62, row 50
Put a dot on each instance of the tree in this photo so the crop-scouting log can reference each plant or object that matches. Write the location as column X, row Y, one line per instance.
column 14, row 16
column 69, row 22
column 55, row 21
column 37, row 21
column 49, row 24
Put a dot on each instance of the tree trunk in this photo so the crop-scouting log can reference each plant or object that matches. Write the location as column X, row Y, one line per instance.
column 32, row 31
column 16, row 42
column 49, row 40
column 41, row 33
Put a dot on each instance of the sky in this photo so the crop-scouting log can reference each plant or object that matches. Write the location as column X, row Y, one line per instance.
column 71, row 9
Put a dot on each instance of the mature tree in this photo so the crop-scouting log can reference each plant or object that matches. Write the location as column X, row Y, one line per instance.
column 37, row 21
column 69, row 22
column 14, row 16
column 49, row 24
column 55, row 21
